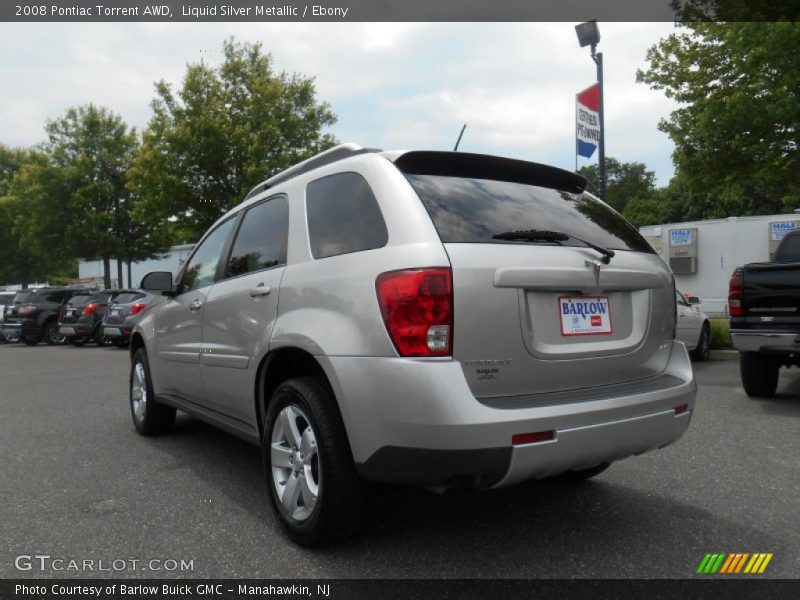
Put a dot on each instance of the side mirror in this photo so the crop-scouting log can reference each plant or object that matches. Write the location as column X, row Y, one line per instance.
column 694, row 300
column 159, row 282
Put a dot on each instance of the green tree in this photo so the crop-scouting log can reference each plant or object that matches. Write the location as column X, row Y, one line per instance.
column 226, row 129
column 624, row 181
column 92, row 149
column 30, row 243
column 736, row 131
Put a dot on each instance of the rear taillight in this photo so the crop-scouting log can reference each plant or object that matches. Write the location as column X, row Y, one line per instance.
column 136, row 309
column 26, row 309
column 417, row 308
column 90, row 308
column 735, row 286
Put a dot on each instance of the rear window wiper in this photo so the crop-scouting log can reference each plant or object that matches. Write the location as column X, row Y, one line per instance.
column 540, row 235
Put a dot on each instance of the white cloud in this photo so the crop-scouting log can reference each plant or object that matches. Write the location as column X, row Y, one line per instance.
column 392, row 84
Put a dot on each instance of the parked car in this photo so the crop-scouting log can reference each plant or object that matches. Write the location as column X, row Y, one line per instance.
column 81, row 319
column 124, row 314
column 763, row 302
column 693, row 328
column 33, row 315
column 442, row 319
column 5, row 300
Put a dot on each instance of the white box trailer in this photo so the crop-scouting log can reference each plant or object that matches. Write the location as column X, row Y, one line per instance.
column 171, row 261
column 703, row 254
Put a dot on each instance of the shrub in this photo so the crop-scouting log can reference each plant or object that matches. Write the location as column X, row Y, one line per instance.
column 720, row 334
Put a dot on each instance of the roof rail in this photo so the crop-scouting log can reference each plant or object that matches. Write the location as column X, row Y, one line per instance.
column 327, row 157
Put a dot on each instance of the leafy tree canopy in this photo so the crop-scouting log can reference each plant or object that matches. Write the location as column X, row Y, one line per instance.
column 736, row 132
column 624, row 181
column 225, row 130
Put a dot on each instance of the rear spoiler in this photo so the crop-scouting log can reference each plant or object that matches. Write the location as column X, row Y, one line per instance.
column 484, row 166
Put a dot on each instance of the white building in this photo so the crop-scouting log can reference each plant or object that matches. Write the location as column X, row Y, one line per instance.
column 703, row 254
column 92, row 271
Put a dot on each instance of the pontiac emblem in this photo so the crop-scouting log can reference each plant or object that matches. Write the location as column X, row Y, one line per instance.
column 595, row 266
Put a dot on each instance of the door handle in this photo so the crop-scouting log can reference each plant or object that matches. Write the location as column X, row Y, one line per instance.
column 260, row 290
column 195, row 305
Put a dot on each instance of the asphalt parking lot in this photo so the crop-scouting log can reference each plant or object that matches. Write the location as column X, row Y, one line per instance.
column 77, row 483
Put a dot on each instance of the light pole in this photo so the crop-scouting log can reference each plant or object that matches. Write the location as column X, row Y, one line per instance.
column 589, row 35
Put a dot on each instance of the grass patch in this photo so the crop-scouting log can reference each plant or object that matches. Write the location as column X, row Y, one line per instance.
column 720, row 334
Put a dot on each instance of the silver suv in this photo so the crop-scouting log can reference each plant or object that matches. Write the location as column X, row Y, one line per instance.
column 439, row 319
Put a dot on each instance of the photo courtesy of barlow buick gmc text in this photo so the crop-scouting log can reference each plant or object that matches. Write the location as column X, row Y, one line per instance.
column 399, row 300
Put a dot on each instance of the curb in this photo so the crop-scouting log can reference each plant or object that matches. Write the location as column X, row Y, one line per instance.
column 724, row 355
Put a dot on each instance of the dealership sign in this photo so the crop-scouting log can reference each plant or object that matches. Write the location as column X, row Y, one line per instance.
column 680, row 237
column 778, row 230
column 587, row 120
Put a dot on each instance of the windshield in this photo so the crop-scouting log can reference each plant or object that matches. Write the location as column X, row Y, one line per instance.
column 477, row 210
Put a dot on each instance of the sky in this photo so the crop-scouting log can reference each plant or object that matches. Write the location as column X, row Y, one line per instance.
column 392, row 85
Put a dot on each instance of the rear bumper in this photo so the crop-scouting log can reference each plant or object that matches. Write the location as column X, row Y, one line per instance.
column 416, row 421
column 117, row 330
column 10, row 330
column 27, row 329
column 766, row 341
column 74, row 329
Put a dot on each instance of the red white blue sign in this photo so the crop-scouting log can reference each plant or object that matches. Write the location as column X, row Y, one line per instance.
column 587, row 120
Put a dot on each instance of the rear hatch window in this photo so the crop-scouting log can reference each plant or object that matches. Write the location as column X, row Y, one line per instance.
column 24, row 297
column 477, row 210
column 80, row 300
column 128, row 297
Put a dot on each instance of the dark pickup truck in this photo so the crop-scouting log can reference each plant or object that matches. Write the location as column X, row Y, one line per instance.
column 764, row 305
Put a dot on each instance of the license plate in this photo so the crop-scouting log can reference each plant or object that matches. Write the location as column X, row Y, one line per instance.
column 67, row 331
column 113, row 331
column 584, row 315
column 70, row 313
column 115, row 313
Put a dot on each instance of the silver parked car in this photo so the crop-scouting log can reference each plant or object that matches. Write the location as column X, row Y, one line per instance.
column 693, row 328
column 432, row 318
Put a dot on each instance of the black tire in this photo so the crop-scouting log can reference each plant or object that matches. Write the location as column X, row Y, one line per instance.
column 29, row 341
column 79, row 341
column 100, row 337
column 759, row 374
column 340, row 498
column 153, row 418
column 51, row 335
column 703, row 349
column 582, row 474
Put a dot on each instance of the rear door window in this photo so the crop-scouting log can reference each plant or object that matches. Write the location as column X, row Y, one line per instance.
column 467, row 210
column 262, row 238
column 343, row 216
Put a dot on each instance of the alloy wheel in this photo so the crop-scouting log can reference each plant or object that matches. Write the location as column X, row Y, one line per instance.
column 294, row 458
column 139, row 391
